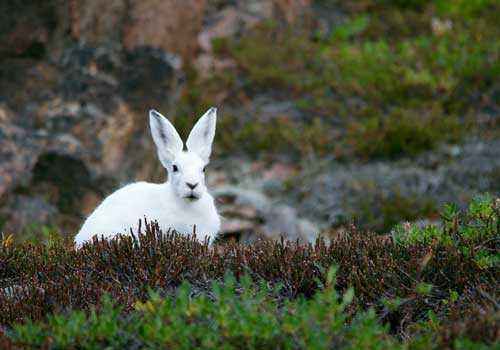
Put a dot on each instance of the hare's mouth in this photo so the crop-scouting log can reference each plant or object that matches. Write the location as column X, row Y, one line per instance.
column 192, row 197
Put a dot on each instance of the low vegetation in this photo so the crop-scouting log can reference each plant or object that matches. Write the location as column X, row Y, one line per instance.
column 393, row 79
column 419, row 288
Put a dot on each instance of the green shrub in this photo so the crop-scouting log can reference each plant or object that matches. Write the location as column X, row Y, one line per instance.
column 402, row 132
column 234, row 314
column 481, row 223
column 244, row 315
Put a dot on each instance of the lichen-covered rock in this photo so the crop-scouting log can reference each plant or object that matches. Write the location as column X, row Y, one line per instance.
column 249, row 214
column 19, row 150
column 170, row 25
column 70, row 131
column 378, row 195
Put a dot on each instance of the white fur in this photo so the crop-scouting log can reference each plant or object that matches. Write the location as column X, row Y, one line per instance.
column 168, row 203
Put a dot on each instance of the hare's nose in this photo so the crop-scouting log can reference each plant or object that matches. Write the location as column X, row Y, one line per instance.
column 191, row 186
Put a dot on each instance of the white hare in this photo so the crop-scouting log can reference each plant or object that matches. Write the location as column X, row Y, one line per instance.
column 182, row 203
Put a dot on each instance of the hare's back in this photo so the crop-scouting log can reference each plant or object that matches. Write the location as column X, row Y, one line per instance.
column 122, row 210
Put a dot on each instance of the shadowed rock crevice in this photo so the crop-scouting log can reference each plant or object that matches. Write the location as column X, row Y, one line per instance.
column 66, row 179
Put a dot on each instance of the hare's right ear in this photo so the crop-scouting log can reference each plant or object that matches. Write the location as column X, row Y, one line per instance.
column 167, row 140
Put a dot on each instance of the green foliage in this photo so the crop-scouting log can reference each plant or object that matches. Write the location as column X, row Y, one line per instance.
column 465, row 8
column 380, row 211
column 394, row 79
column 39, row 234
column 424, row 288
column 481, row 223
column 402, row 132
column 280, row 135
column 246, row 315
column 350, row 29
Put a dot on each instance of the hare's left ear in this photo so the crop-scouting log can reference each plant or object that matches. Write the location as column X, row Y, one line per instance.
column 201, row 137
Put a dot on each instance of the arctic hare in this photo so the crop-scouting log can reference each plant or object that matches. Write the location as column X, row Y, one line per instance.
column 182, row 203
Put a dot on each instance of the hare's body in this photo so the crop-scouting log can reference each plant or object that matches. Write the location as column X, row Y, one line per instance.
column 182, row 203
column 123, row 209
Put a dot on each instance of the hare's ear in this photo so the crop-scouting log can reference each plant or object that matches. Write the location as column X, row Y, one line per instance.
column 167, row 140
column 201, row 137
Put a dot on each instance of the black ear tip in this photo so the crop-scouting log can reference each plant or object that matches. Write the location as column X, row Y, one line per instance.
column 155, row 116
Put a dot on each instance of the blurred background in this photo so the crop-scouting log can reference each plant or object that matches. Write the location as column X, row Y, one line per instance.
column 372, row 112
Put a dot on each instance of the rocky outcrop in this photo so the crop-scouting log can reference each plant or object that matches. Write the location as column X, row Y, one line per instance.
column 76, row 80
column 17, row 147
column 31, row 29
column 68, row 129
column 171, row 25
column 334, row 194
column 179, row 27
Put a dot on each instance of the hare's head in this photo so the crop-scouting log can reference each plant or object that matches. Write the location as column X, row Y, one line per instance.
column 186, row 167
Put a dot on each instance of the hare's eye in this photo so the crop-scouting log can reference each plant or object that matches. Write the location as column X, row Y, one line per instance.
column 175, row 168
column 204, row 168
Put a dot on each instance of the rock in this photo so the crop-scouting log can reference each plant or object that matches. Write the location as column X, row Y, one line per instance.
column 268, row 108
column 234, row 20
column 18, row 154
column 372, row 193
column 23, row 212
column 291, row 10
column 25, row 27
column 170, row 25
column 226, row 23
column 5, row 113
column 66, row 137
column 97, row 22
column 147, row 76
column 249, row 214
column 207, row 64
column 282, row 221
column 234, row 225
column 90, row 201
